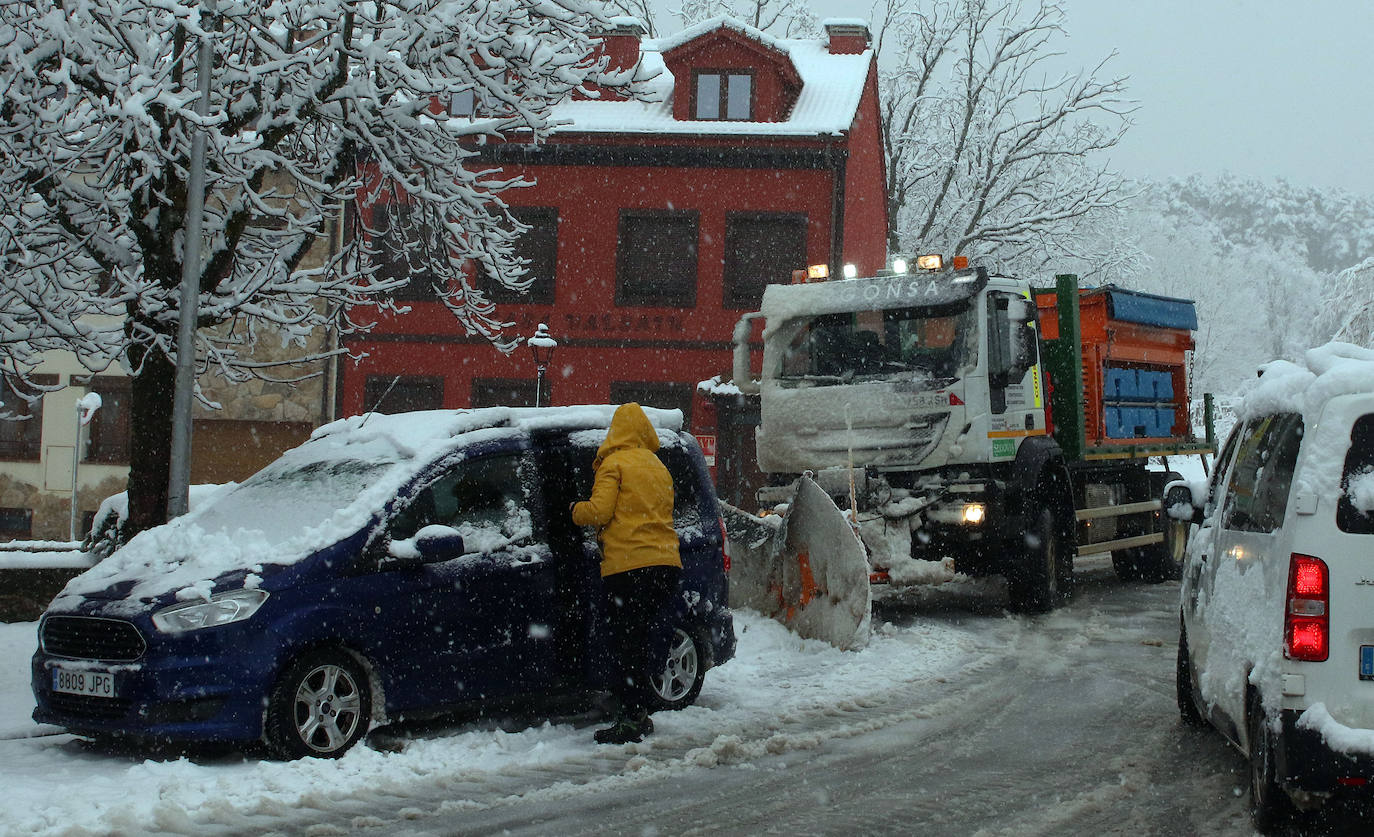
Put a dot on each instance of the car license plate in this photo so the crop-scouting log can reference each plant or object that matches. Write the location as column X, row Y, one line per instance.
column 1367, row 662
column 83, row 682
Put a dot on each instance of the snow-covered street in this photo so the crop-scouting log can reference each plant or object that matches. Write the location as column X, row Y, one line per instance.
column 958, row 719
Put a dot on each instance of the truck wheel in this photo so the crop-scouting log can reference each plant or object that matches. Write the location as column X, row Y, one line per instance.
column 1043, row 578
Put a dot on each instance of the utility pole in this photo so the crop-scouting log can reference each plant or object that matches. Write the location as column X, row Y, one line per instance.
column 179, row 478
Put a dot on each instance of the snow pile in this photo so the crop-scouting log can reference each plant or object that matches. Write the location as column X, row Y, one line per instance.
column 765, row 701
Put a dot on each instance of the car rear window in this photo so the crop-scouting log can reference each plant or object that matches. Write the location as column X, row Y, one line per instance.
column 1355, row 511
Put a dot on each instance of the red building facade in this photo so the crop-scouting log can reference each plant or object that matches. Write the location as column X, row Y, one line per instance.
column 655, row 225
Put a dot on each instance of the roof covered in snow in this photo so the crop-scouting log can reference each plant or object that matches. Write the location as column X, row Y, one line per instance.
column 831, row 88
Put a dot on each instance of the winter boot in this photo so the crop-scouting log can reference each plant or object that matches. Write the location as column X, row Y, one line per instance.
column 627, row 727
column 623, row 731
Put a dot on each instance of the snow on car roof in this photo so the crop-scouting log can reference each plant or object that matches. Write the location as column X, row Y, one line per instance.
column 1323, row 373
column 1306, row 387
column 313, row 496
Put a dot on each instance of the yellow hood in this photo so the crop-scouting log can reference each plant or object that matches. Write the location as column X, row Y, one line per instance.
column 630, row 428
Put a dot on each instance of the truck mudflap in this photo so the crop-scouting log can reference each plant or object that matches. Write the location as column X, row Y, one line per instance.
column 806, row 568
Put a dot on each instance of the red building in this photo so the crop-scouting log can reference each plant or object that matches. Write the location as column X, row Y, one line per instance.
column 655, row 225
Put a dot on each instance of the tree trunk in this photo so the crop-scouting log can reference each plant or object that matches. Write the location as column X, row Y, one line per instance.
column 150, row 443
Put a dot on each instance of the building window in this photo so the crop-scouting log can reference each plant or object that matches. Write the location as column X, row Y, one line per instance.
column 506, row 392
column 761, row 249
column 463, row 103
column 538, row 246
column 724, row 95
column 16, row 523
column 402, row 245
column 665, row 395
column 656, row 258
column 21, row 418
column 402, row 393
column 108, row 433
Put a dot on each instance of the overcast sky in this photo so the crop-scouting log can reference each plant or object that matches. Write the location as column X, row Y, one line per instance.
column 1254, row 87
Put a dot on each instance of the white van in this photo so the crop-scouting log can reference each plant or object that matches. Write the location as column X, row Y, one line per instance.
column 1276, row 647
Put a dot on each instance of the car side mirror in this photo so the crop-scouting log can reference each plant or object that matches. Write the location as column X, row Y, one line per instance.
column 430, row 545
column 1180, row 502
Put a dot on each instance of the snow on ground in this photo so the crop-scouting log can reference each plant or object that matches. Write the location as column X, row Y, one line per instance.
column 775, row 678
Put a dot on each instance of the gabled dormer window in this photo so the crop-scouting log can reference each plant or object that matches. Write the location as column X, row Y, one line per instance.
column 723, row 94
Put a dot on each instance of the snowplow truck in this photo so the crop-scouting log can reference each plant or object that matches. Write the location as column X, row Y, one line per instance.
column 962, row 419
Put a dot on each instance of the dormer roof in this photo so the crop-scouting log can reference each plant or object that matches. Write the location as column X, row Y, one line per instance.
column 826, row 87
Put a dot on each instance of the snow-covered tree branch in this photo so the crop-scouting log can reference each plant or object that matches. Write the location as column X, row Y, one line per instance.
column 314, row 103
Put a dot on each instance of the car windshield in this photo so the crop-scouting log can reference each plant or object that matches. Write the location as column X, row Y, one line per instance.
column 282, row 499
column 892, row 344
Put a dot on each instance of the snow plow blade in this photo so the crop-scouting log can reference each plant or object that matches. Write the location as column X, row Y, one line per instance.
column 807, row 569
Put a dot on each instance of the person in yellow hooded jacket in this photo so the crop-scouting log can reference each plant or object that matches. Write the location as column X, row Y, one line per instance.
column 631, row 507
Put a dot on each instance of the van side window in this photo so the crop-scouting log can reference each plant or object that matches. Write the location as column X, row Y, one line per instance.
column 1257, row 496
column 484, row 498
column 1355, row 511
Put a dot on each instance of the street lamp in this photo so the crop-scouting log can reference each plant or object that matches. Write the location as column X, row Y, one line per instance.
column 541, row 346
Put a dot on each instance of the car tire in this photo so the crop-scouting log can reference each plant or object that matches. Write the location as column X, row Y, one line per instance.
column 320, row 706
column 1043, row 579
column 1188, row 710
column 1270, row 806
column 684, row 670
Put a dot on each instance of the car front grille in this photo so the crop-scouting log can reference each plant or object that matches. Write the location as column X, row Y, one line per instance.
column 92, row 638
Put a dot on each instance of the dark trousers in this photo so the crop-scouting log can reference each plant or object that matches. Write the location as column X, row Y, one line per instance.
column 634, row 600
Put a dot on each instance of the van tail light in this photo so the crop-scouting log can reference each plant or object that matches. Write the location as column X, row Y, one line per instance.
column 1307, row 618
column 724, row 548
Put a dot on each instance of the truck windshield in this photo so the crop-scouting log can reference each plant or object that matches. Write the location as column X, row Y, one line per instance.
column 892, row 344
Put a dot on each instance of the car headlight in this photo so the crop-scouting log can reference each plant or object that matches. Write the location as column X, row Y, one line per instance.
column 221, row 609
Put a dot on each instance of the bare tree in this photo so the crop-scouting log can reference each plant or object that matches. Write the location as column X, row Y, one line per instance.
column 1348, row 306
column 988, row 153
column 314, row 103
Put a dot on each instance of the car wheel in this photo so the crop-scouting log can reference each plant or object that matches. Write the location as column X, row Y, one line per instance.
column 1270, row 806
column 320, row 706
column 1044, row 577
column 679, row 683
column 1183, row 682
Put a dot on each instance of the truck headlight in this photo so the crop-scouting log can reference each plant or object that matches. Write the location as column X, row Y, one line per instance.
column 221, row 609
column 974, row 513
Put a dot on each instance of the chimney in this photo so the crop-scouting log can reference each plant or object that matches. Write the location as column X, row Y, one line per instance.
column 620, row 42
column 848, row 36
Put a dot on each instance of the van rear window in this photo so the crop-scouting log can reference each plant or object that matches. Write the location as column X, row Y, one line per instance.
column 1355, row 511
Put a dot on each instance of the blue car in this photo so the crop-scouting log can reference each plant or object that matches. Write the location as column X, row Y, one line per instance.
column 392, row 567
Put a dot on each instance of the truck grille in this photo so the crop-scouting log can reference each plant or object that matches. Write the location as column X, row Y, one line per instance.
column 92, row 638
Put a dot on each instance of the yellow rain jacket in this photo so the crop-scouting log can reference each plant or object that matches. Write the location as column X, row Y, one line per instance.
column 632, row 498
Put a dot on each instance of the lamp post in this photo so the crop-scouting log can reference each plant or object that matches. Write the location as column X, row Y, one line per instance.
column 541, row 346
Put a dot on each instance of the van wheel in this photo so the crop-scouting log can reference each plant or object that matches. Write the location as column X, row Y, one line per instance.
column 1270, row 806
column 1183, row 683
column 1043, row 578
column 679, row 683
column 320, row 706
